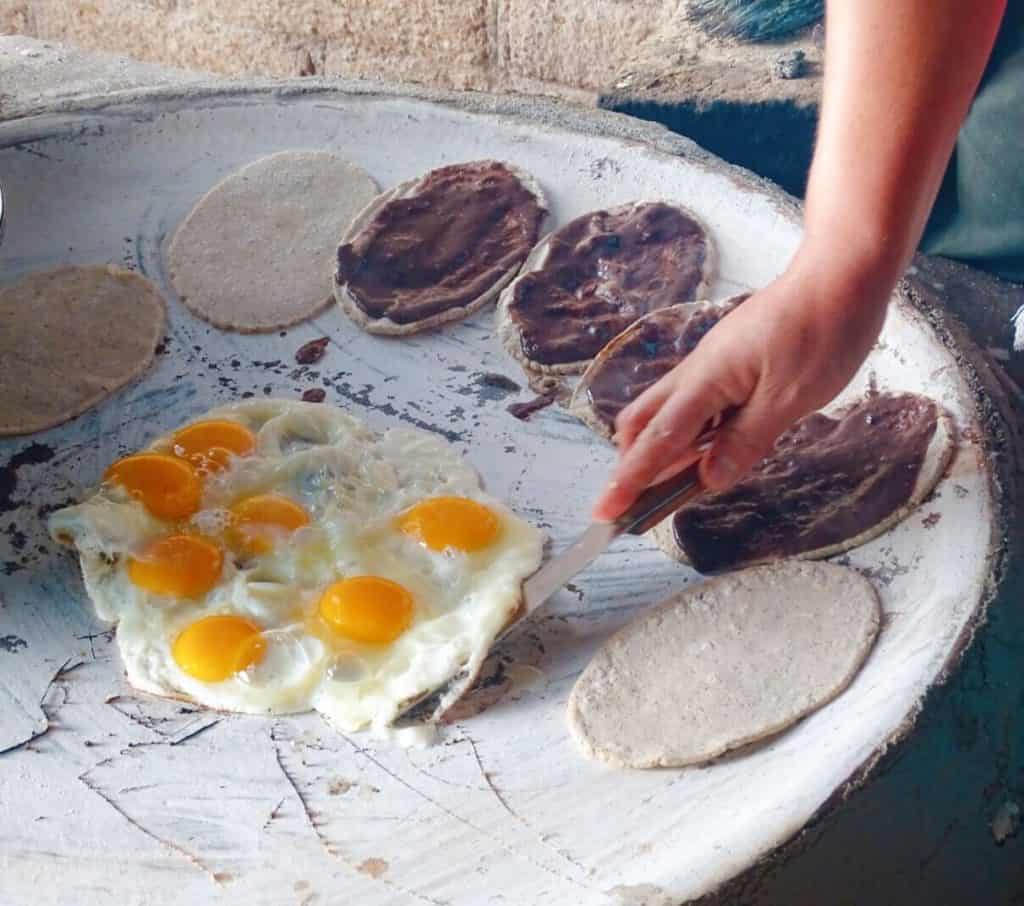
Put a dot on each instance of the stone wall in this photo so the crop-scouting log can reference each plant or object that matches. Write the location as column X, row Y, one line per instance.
column 563, row 46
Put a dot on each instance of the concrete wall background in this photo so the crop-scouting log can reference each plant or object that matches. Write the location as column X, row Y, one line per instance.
column 568, row 47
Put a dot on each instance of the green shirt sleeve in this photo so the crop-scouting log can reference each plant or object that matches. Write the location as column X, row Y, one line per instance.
column 979, row 214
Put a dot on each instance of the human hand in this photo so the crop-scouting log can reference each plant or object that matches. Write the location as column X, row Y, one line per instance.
column 783, row 353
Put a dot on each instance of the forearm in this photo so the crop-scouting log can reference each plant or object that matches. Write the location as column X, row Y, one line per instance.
column 899, row 79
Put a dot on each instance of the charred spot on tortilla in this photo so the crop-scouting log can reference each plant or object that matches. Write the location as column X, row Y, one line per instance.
column 832, row 483
column 438, row 248
column 588, row 281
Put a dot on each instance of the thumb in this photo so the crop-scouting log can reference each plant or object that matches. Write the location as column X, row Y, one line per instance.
column 743, row 441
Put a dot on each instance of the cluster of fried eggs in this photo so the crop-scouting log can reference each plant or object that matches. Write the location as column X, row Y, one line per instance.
column 277, row 556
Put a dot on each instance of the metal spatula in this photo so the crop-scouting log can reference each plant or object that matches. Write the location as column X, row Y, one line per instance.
column 656, row 503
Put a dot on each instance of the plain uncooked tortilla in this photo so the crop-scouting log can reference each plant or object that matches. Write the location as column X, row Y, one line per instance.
column 257, row 252
column 725, row 663
column 70, row 338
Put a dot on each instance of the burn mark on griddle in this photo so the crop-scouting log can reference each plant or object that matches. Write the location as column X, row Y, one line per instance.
column 12, row 643
column 31, row 539
column 888, row 571
column 493, row 386
column 16, row 536
column 931, row 520
column 575, row 589
column 523, row 411
column 603, row 166
column 314, row 395
column 44, row 510
column 491, row 687
column 273, row 365
column 375, row 868
column 539, row 520
column 362, row 398
column 33, row 454
column 24, row 148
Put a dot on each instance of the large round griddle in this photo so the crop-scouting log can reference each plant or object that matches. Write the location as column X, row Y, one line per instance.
column 123, row 799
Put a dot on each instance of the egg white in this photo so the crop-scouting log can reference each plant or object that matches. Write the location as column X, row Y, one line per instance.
column 353, row 482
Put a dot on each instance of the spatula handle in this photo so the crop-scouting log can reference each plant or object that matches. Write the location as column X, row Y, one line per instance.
column 661, row 500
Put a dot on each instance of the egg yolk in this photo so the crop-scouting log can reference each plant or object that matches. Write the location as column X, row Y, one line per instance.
column 180, row 566
column 367, row 609
column 450, row 522
column 215, row 648
column 166, row 486
column 257, row 521
column 210, row 445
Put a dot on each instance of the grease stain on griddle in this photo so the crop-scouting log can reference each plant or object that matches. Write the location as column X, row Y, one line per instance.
column 490, row 385
column 16, row 536
column 575, row 589
column 489, row 689
column 361, row 397
column 18, row 542
column 340, row 786
column 12, row 644
column 375, row 868
column 602, row 167
column 539, row 520
column 34, row 454
column 44, row 510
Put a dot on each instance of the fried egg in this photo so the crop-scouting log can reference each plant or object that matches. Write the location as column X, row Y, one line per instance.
column 277, row 556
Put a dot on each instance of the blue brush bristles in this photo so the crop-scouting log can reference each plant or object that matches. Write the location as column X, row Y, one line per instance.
column 755, row 20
